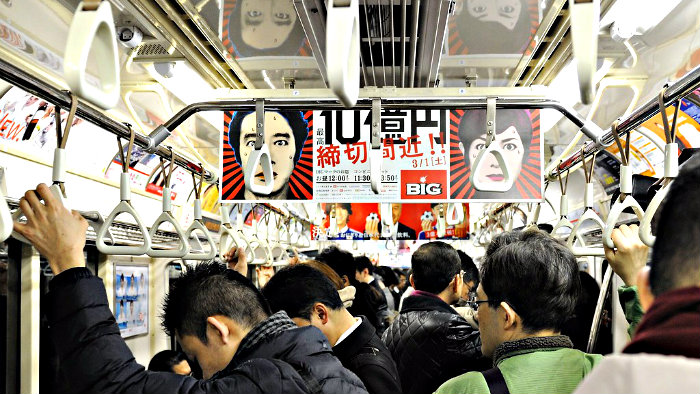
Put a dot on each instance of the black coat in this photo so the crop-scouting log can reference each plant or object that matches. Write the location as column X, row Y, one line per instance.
column 431, row 343
column 364, row 353
column 95, row 359
column 371, row 303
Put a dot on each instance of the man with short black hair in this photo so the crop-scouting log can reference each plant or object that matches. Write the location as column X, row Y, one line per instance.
column 310, row 299
column 471, row 282
column 221, row 320
column 429, row 341
column 529, row 288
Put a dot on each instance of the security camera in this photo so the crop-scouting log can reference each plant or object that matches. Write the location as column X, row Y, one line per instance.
column 129, row 36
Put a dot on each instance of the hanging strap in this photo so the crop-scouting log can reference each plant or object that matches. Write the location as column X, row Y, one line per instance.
column 669, row 130
column 125, row 160
column 564, row 184
column 62, row 138
column 167, row 174
column 198, row 185
column 588, row 171
column 624, row 152
column 495, row 381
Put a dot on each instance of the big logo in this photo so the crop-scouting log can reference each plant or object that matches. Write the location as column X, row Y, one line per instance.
column 423, row 184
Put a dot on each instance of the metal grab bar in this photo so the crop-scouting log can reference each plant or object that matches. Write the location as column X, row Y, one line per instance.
column 166, row 216
column 625, row 200
column 92, row 29
column 495, row 150
column 595, row 326
column 260, row 155
column 198, row 225
column 124, row 206
column 455, row 214
column 343, row 49
column 670, row 172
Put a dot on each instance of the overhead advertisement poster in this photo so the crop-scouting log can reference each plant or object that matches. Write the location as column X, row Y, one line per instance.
column 422, row 155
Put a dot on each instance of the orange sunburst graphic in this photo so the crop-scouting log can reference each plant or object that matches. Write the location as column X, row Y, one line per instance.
column 300, row 182
column 528, row 183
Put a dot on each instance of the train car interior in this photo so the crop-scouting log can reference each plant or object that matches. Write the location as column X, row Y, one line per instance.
column 280, row 128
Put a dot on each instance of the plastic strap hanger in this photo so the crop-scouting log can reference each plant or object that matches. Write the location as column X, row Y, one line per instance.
column 441, row 224
column 588, row 215
column 375, row 152
column 343, row 50
column 625, row 200
column 564, row 203
column 124, row 206
column 93, row 28
column 197, row 224
column 259, row 155
column 240, row 237
column 593, row 337
column 278, row 252
column 455, row 214
column 495, row 150
column 585, row 24
column 257, row 244
column 670, row 171
column 227, row 238
column 332, row 222
column 387, row 221
column 166, row 216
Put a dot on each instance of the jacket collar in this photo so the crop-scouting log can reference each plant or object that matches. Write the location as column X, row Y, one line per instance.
column 530, row 345
column 422, row 301
column 358, row 338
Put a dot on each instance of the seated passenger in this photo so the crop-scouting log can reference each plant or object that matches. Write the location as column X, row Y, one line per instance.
column 429, row 341
column 309, row 298
column 529, row 287
column 170, row 361
column 220, row 319
column 664, row 354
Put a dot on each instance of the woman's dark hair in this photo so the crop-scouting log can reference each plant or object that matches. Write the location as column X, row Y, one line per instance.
column 165, row 361
column 296, row 122
column 290, row 46
column 537, row 276
column 473, row 126
column 295, row 289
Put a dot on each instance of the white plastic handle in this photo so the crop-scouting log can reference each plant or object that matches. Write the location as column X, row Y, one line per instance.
column 562, row 223
column 385, row 213
column 455, row 214
column 183, row 248
column 6, row 222
column 343, row 50
column 332, row 222
column 18, row 214
column 645, row 225
column 201, row 255
column 239, row 239
column 375, row 169
column 578, row 251
column 502, row 186
column 93, row 30
column 227, row 238
column 585, row 24
column 614, row 216
column 262, row 157
column 441, row 226
column 123, row 207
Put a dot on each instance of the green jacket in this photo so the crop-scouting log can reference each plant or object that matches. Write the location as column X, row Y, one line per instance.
column 531, row 365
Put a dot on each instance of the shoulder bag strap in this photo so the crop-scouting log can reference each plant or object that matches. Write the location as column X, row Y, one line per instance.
column 495, row 381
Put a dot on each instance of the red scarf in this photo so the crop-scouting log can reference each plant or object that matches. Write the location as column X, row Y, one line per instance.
column 671, row 326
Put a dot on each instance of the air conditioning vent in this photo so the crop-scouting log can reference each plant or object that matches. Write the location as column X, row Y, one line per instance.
column 157, row 51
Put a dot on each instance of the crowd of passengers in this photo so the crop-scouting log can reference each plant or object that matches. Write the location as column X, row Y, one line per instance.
column 337, row 324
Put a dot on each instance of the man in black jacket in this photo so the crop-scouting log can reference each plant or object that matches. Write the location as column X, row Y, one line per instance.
column 310, row 298
column 222, row 322
column 429, row 341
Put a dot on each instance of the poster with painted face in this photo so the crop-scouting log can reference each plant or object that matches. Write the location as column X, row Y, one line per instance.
column 288, row 138
column 518, row 140
column 255, row 28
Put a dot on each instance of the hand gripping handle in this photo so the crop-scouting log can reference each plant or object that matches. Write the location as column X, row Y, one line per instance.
column 614, row 216
column 17, row 214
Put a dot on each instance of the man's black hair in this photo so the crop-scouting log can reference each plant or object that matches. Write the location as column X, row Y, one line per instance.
column 674, row 262
column 165, row 361
column 340, row 260
column 434, row 266
column 471, row 273
column 388, row 275
column 296, row 122
column 362, row 262
column 537, row 276
column 210, row 289
column 295, row 289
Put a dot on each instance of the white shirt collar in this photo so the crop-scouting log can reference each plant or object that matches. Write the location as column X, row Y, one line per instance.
column 349, row 331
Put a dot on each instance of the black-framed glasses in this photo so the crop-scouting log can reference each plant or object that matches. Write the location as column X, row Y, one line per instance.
column 474, row 303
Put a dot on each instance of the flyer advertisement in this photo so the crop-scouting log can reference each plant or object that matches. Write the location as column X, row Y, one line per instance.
column 131, row 299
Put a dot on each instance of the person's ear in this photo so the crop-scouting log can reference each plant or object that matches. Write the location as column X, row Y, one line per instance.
column 461, row 147
column 346, row 280
column 457, row 284
column 646, row 297
column 510, row 318
column 321, row 312
column 365, row 272
column 217, row 330
column 410, row 279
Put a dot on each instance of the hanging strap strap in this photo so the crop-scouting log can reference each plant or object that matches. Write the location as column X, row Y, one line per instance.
column 495, row 381
column 62, row 138
column 624, row 152
column 167, row 173
column 198, row 185
column 126, row 160
column 669, row 130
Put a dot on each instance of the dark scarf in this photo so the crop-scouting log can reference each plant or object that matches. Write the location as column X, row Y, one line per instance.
column 671, row 326
column 528, row 345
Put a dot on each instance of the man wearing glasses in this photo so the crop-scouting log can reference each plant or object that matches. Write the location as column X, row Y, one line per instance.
column 529, row 287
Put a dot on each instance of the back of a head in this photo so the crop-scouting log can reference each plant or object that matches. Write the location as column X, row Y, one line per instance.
column 471, row 273
column 434, row 265
column 210, row 289
column 165, row 361
column 674, row 261
column 326, row 270
column 340, row 260
column 362, row 263
column 296, row 288
column 388, row 275
column 537, row 276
